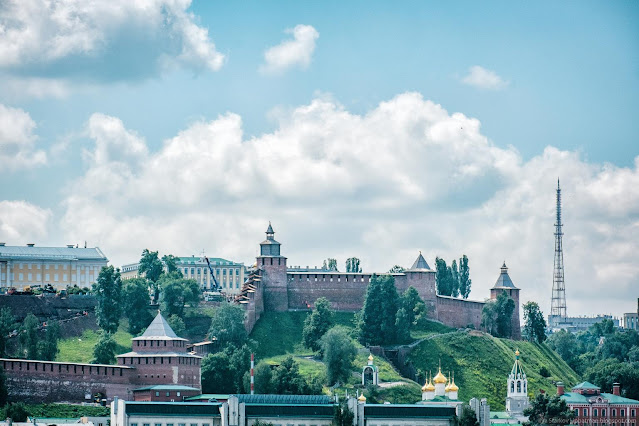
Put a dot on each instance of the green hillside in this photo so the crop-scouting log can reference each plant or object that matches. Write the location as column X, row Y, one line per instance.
column 481, row 364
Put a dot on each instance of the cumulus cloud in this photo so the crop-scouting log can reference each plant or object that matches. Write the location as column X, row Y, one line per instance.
column 17, row 141
column 483, row 78
column 290, row 53
column 101, row 39
column 22, row 222
column 403, row 177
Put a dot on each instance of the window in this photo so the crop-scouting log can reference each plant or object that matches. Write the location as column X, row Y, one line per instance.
column 512, row 386
column 179, row 393
column 603, row 412
column 614, row 413
column 577, row 412
column 193, row 424
column 168, row 394
column 585, row 411
column 623, row 413
column 29, row 276
column 21, row 276
column 632, row 413
column 181, row 424
column 55, row 277
column 158, row 424
column 157, row 393
column 64, row 277
column 38, row 277
column 134, row 424
column 595, row 412
column 518, row 386
column 192, row 271
column 146, row 424
column 56, row 266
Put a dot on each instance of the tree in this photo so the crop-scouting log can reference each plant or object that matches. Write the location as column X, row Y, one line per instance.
column 402, row 325
column 227, row 325
column 4, row 392
column 177, row 324
column 330, row 264
column 454, row 278
column 608, row 371
column 48, row 348
column 317, row 323
column 396, row 269
column 29, row 337
column 377, row 319
column 170, row 262
column 151, row 268
column 108, row 294
column 497, row 315
column 414, row 306
column 468, row 417
column 177, row 292
column 16, row 411
column 136, row 301
column 443, row 278
column 224, row 371
column 546, row 410
column 565, row 344
column 104, row 350
column 339, row 353
column 352, row 265
column 535, row 323
column 464, row 277
column 287, row 380
column 342, row 416
column 263, row 374
column 7, row 325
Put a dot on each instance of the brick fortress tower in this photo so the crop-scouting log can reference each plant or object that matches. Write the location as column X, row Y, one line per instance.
column 504, row 283
column 160, row 357
column 273, row 266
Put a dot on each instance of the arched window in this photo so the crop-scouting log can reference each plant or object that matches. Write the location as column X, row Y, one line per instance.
column 518, row 386
column 525, row 390
column 512, row 386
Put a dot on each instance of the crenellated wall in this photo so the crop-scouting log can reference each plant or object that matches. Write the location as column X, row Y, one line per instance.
column 49, row 381
column 459, row 313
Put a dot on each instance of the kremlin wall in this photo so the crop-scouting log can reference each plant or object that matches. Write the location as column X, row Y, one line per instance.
column 272, row 287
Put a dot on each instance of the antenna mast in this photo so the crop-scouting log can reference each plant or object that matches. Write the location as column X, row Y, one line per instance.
column 558, row 302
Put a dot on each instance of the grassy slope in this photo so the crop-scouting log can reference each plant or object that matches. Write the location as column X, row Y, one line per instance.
column 481, row 364
column 80, row 349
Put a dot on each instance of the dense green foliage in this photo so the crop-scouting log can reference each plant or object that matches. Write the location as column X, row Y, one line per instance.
column 377, row 321
column 108, row 293
column 342, row 416
column 7, row 325
column 223, row 372
column 28, row 337
column 285, row 379
column 545, row 410
column 16, row 411
column 227, row 325
column 414, row 306
column 170, row 262
column 48, row 347
column 175, row 292
column 481, row 364
column 177, row 324
column 602, row 355
column 330, row 264
column 4, row 392
column 396, row 269
column 104, row 350
column 534, row 323
column 150, row 265
column 468, row 417
column 353, row 265
column 317, row 323
column 453, row 280
column 62, row 411
column 136, row 301
column 496, row 316
column 339, row 352
column 464, row 277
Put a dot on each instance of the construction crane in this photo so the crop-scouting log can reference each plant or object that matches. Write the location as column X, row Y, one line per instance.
column 218, row 287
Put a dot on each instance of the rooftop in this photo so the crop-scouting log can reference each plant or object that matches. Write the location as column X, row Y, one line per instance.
column 284, row 399
column 52, row 253
column 577, row 398
column 167, row 387
column 504, row 280
column 159, row 329
column 420, row 264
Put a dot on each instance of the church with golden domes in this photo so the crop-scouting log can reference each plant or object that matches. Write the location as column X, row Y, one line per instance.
column 441, row 391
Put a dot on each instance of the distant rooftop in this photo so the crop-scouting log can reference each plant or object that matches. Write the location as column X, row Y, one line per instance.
column 420, row 264
column 167, row 387
column 504, row 280
column 159, row 329
column 53, row 253
column 284, row 399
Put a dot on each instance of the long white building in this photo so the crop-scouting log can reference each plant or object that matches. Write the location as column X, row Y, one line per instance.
column 22, row 266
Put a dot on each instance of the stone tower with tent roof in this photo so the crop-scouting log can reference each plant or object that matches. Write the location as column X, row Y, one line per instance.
column 504, row 283
column 160, row 357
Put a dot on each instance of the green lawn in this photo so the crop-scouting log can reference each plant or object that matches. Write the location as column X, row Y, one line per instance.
column 80, row 349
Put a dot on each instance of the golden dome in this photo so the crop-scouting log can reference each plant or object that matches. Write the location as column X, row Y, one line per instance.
column 361, row 398
column 430, row 387
column 370, row 357
column 517, row 352
column 440, row 378
column 453, row 387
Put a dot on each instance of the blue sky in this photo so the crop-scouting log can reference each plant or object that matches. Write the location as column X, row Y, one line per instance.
column 545, row 89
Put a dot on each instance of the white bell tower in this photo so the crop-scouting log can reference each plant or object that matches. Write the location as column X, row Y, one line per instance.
column 517, row 392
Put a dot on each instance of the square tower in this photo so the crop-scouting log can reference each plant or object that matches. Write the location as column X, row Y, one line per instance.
column 273, row 267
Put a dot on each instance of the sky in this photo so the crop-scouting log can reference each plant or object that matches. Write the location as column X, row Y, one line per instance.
column 365, row 129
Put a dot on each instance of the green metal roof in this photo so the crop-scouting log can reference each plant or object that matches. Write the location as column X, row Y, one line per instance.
column 167, row 387
column 577, row 398
column 207, row 396
column 178, row 409
column 407, row 410
column 586, row 385
column 286, row 410
column 284, row 399
column 500, row 415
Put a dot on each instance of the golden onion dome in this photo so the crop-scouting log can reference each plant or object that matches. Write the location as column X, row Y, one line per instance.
column 447, row 388
column 370, row 357
column 517, row 352
column 430, row 387
column 453, row 387
column 361, row 398
column 440, row 378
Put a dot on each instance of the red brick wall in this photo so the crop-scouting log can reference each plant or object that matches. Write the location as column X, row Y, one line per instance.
column 459, row 312
column 274, row 283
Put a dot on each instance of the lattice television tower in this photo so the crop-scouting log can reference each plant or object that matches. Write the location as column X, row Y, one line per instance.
column 558, row 303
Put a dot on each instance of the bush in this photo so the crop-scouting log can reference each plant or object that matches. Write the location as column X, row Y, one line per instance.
column 543, row 372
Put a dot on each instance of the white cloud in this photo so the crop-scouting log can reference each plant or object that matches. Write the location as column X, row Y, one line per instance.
column 405, row 176
column 102, row 39
column 17, row 140
column 290, row 53
column 22, row 222
column 483, row 78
